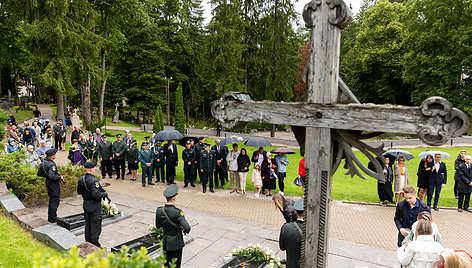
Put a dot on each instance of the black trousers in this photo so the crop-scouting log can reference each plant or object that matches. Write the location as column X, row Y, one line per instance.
column 207, row 178
column 218, row 132
column 170, row 173
column 106, row 168
column 188, row 174
column 280, row 177
column 174, row 254
column 54, row 193
column 197, row 171
column 456, row 193
column 93, row 221
column 57, row 142
column 119, row 165
column 220, row 173
column 159, row 172
column 464, row 199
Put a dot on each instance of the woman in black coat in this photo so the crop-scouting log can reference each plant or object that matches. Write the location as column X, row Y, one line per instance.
column 424, row 171
column 268, row 169
column 243, row 168
column 384, row 189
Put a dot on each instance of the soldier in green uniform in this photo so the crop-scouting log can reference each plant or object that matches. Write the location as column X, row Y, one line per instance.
column 291, row 237
column 145, row 157
column 105, row 153
column 173, row 222
column 92, row 193
column 119, row 149
column 207, row 167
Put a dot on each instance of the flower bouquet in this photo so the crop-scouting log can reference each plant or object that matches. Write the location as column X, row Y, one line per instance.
column 156, row 232
column 110, row 209
column 253, row 255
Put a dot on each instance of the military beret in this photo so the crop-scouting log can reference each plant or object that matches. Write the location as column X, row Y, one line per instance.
column 207, row 145
column 299, row 205
column 171, row 191
column 51, row 152
column 201, row 138
column 90, row 164
column 118, row 135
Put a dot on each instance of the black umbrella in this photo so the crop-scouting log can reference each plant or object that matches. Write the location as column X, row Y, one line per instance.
column 184, row 140
column 231, row 139
column 169, row 134
column 257, row 142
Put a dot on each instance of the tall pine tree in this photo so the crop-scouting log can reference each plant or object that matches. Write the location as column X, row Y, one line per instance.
column 179, row 110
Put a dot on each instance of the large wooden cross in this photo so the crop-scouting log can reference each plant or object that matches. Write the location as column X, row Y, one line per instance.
column 330, row 121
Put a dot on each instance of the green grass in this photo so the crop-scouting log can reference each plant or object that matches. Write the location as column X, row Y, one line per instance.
column 17, row 247
column 21, row 115
column 54, row 109
column 343, row 186
column 120, row 123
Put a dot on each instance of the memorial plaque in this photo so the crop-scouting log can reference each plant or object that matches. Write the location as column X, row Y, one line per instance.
column 150, row 242
column 75, row 221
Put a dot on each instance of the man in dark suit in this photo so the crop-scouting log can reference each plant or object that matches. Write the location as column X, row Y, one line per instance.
column 221, row 168
column 291, row 237
column 464, row 184
column 173, row 223
column 437, row 181
column 172, row 159
column 407, row 211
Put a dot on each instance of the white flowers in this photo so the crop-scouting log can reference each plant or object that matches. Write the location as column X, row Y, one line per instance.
column 257, row 253
column 111, row 209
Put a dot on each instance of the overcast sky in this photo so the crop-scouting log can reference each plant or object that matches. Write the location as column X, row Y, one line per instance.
column 356, row 4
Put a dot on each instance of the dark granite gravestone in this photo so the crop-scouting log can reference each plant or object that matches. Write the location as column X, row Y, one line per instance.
column 76, row 223
column 150, row 242
column 242, row 261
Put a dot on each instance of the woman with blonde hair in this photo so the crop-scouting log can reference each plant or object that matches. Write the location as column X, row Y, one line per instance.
column 286, row 207
column 422, row 252
column 454, row 259
column 402, row 178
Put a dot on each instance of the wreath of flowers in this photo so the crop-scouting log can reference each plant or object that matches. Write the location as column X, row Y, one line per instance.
column 257, row 253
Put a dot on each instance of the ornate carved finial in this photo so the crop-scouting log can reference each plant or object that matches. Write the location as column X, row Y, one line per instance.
column 218, row 107
column 340, row 13
column 309, row 8
column 451, row 122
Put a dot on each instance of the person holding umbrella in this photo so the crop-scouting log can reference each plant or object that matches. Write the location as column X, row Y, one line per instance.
column 172, row 160
column 282, row 163
column 402, row 178
column 259, row 156
column 384, row 189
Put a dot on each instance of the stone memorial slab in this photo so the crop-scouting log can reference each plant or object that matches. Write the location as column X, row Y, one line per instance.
column 78, row 230
column 55, row 237
column 10, row 203
column 27, row 219
column 3, row 188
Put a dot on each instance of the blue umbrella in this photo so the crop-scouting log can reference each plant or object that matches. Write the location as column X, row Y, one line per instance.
column 444, row 155
column 169, row 134
column 231, row 139
column 397, row 153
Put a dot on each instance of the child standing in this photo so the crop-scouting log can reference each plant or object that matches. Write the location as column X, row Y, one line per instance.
column 257, row 179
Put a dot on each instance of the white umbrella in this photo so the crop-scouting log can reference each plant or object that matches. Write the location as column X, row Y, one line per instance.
column 444, row 155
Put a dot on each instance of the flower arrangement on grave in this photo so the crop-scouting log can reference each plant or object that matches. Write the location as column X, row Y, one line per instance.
column 109, row 208
column 257, row 253
column 156, row 232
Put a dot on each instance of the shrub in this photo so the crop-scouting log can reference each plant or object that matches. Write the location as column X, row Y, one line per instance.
column 158, row 124
column 3, row 121
column 22, row 179
column 179, row 110
column 96, row 124
column 120, row 259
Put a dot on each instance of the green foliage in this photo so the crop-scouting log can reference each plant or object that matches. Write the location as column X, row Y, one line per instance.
column 179, row 110
column 96, row 124
column 372, row 64
column 120, row 259
column 22, row 179
column 3, row 121
column 158, row 124
column 256, row 253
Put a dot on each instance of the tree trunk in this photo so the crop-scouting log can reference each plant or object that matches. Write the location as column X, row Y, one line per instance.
column 60, row 106
column 102, row 88
column 86, row 102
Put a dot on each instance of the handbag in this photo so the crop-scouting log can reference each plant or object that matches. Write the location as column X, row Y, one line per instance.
column 298, row 181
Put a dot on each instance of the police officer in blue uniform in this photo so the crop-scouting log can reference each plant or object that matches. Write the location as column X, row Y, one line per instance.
column 92, row 193
column 173, row 223
column 48, row 170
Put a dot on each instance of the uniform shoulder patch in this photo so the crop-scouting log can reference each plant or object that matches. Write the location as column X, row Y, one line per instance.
column 97, row 185
column 181, row 213
column 54, row 168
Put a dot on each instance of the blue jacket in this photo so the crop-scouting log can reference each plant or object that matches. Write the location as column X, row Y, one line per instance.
column 437, row 177
column 402, row 216
column 281, row 167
